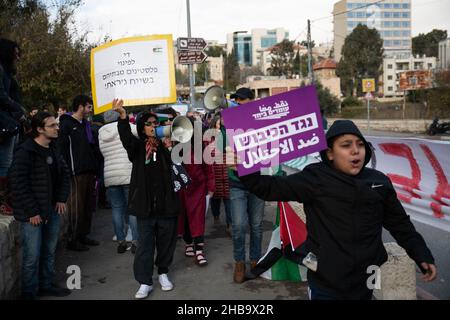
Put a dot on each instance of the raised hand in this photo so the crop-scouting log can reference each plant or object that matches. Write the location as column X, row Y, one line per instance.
column 117, row 106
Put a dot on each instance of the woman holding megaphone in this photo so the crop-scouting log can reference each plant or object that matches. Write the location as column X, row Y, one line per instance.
column 152, row 199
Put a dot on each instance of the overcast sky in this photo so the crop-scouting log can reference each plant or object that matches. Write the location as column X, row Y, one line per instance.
column 213, row 19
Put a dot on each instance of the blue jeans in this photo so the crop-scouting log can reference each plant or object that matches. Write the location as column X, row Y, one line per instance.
column 38, row 254
column 215, row 208
column 246, row 209
column 118, row 198
column 6, row 154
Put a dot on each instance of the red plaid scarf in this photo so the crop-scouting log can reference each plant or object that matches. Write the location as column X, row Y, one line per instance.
column 150, row 147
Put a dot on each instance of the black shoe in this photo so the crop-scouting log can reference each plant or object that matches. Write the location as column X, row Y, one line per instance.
column 133, row 248
column 76, row 246
column 89, row 242
column 54, row 291
column 122, row 247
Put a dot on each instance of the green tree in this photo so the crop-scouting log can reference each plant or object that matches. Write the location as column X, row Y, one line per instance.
column 428, row 44
column 439, row 97
column 231, row 72
column 181, row 78
column 300, row 64
column 215, row 51
column 305, row 44
column 282, row 59
column 202, row 74
column 249, row 71
column 362, row 56
column 54, row 64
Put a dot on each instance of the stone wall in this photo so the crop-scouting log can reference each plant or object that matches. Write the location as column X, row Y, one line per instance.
column 10, row 258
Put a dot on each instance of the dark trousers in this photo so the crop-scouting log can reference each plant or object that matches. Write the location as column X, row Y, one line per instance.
column 80, row 206
column 38, row 250
column 187, row 236
column 159, row 234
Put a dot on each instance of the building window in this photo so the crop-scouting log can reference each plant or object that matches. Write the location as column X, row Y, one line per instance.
column 267, row 42
column 396, row 24
column 389, row 66
column 388, row 5
column 390, row 77
column 350, row 15
column 405, row 5
column 396, row 5
column 430, row 66
column 405, row 15
column 396, row 15
column 390, row 88
column 406, row 24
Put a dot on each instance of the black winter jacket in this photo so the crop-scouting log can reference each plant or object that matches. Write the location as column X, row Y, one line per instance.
column 31, row 183
column 73, row 142
column 138, row 201
column 345, row 216
column 9, row 94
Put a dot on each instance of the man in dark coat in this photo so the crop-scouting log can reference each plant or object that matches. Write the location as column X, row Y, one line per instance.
column 152, row 199
column 40, row 185
column 346, row 205
column 77, row 144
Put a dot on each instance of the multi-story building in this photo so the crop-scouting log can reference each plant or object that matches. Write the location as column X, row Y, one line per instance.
column 392, row 19
column 444, row 55
column 393, row 66
column 248, row 45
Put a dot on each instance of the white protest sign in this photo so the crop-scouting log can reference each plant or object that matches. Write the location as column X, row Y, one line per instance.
column 139, row 70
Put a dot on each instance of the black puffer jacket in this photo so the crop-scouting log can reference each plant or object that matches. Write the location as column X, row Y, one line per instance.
column 78, row 152
column 345, row 216
column 31, row 185
column 166, row 202
column 9, row 94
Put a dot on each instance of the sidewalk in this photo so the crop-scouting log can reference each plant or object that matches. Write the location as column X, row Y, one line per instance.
column 107, row 275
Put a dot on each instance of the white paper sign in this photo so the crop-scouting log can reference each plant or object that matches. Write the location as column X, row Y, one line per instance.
column 139, row 70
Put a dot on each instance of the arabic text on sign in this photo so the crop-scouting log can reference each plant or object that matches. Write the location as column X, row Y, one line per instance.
column 278, row 131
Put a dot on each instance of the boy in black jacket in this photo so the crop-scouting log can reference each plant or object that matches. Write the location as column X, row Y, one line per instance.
column 347, row 205
column 40, row 185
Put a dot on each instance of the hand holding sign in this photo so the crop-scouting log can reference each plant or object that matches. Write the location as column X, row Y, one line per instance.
column 117, row 106
column 275, row 129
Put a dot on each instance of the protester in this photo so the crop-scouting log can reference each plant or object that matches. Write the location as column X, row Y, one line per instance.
column 193, row 198
column 222, row 184
column 117, row 174
column 40, row 183
column 152, row 199
column 346, row 206
column 247, row 210
column 77, row 145
column 12, row 115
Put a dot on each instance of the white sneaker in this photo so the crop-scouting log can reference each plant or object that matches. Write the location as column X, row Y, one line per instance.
column 166, row 285
column 115, row 238
column 129, row 236
column 143, row 292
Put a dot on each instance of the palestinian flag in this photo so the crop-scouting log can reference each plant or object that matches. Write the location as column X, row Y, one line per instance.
column 281, row 262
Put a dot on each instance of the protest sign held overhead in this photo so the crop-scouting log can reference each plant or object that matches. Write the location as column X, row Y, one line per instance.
column 139, row 70
column 275, row 129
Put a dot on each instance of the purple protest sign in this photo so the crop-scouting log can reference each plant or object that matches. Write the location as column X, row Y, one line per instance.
column 276, row 129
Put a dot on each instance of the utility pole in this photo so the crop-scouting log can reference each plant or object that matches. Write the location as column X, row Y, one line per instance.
column 191, row 70
column 310, row 70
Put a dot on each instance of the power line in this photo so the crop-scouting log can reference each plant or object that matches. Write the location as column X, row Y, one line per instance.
column 350, row 10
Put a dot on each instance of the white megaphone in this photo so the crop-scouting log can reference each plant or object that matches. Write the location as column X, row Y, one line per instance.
column 181, row 130
column 215, row 98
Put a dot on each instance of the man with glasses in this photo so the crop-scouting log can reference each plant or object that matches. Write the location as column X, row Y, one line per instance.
column 40, row 183
column 78, row 147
